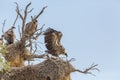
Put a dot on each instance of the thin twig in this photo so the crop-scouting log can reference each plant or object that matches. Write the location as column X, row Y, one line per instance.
column 35, row 48
column 40, row 12
column 3, row 26
column 15, row 21
column 39, row 33
column 19, row 31
column 38, row 56
column 86, row 71
column 72, row 59
column 30, row 10
column 18, row 10
column 29, row 57
column 32, row 18
column 30, row 42
column 25, row 16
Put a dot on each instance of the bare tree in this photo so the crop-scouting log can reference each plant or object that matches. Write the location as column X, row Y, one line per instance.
column 52, row 68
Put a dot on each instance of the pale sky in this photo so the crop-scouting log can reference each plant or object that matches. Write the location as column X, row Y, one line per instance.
column 91, row 30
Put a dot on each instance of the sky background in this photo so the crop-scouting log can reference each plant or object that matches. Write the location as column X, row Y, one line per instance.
column 91, row 31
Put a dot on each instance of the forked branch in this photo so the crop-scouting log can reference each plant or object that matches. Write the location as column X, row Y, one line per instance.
column 18, row 10
column 23, row 18
column 40, row 12
column 87, row 70
column 25, row 15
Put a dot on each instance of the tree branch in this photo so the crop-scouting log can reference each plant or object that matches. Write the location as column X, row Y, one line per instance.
column 86, row 71
column 25, row 16
column 35, row 48
column 19, row 31
column 72, row 59
column 30, row 10
column 32, row 56
column 38, row 56
column 15, row 21
column 3, row 26
column 40, row 12
column 18, row 10
column 39, row 33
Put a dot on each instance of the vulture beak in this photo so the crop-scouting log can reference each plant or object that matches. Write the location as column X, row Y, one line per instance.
column 66, row 55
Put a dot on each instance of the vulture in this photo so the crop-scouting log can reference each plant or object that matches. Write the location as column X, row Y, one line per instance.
column 9, row 36
column 30, row 28
column 52, row 42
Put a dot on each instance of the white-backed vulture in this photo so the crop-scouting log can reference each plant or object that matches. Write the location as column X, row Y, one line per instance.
column 9, row 36
column 52, row 42
column 30, row 28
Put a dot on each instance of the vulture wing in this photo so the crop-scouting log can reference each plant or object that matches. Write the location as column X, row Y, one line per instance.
column 52, row 42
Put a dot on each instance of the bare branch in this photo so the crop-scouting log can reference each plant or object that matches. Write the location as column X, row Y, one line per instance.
column 31, row 17
column 3, row 26
column 15, row 20
column 19, row 31
column 38, row 56
column 86, row 71
column 29, row 57
column 35, row 48
column 72, row 59
column 25, row 16
column 26, row 11
column 30, row 10
column 40, row 12
column 39, row 33
column 18, row 10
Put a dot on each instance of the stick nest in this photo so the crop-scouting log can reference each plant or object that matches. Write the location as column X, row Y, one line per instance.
column 50, row 69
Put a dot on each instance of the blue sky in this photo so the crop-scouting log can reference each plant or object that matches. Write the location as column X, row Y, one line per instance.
column 91, row 31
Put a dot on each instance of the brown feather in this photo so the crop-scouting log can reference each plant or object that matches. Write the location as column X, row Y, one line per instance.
column 52, row 42
column 9, row 36
column 31, row 27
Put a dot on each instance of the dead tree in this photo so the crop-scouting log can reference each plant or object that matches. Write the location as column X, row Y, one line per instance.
column 16, row 53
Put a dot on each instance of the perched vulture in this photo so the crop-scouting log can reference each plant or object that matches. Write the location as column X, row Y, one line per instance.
column 30, row 28
column 9, row 36
column 52, row 42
